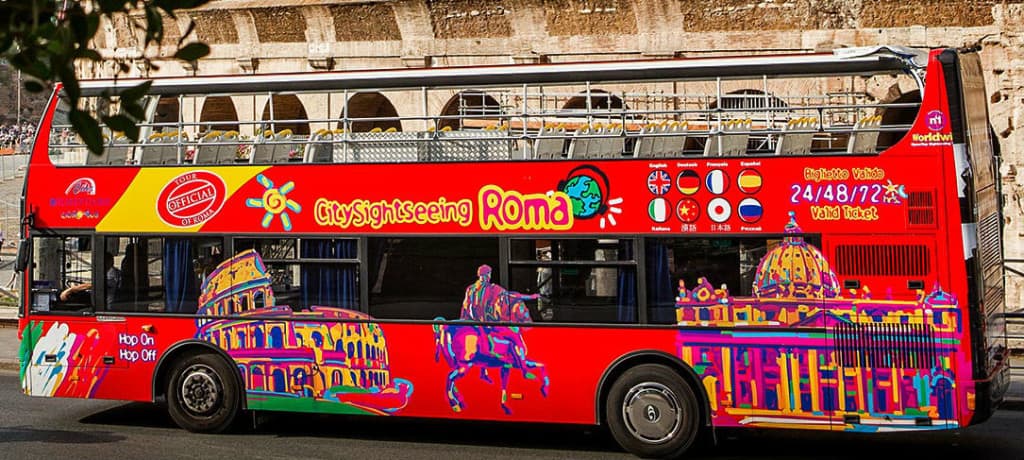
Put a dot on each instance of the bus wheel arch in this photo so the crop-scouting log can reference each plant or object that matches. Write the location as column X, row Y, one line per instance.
column 181, row 351
column 667, row 374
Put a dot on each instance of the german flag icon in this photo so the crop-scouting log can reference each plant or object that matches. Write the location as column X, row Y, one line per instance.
column 688, row 182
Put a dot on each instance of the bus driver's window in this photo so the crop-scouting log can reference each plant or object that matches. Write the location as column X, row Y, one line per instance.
column 62, row 274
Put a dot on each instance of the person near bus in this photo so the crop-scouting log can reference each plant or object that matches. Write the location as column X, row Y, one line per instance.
column 113, row 282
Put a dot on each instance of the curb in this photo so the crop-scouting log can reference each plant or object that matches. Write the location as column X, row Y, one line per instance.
column 10, row 365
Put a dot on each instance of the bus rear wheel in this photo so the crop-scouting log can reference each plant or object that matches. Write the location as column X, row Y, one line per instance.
column 202, row 395
column 652, row 412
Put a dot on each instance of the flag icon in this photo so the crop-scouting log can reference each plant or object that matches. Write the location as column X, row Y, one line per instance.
column 719, row 210
column 688, row 210
column 658, row 210
column 659, row 182
column 717, row 182
column 688, row 182
column 749, row 181
column 750, row 210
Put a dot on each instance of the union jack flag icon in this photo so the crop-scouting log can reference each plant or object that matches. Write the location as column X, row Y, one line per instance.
column 659, row 182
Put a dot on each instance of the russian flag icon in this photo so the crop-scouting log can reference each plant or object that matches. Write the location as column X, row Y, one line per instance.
column 750, row 210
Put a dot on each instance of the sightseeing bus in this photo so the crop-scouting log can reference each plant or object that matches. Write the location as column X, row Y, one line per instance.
column 663, row 247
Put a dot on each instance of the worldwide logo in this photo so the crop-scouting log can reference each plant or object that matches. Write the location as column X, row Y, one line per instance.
column 936, row 120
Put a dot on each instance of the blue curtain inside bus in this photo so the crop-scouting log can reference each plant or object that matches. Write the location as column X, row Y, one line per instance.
column 180, row 287
column 627, row 285
column 660, row 294
column 329, row 284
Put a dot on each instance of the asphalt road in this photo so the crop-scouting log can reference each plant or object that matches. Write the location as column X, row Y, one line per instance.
column 82, row 429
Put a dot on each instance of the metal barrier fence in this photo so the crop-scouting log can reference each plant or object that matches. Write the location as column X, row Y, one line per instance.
column 12, row 166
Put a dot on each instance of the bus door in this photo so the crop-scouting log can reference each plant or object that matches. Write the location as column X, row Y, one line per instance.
column 65, row 346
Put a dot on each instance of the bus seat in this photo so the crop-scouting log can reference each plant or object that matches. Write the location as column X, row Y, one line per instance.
column 864, row 138
column 644, row 145
column 206, row 153
column 579, row 144
column 262, row 150
column 609, row 145
column 169, row 149
column 675, row 139
column 282, row 146
column 320, row 148
column 121, row 151
column 796, row 136
column 92, row 159
column 549, row 143
column 227, row 151
column 152, row 149
column 729, row 139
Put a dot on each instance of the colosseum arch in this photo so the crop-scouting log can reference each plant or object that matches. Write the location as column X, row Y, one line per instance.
column 904, row 116
column 219, row 109
column 167, row 110
column 599, row 100
column 473, row 103
column 286, row 107
column 372, row 105
column 748, row 99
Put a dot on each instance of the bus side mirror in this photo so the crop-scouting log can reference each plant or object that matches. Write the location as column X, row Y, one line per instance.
column 24, row 255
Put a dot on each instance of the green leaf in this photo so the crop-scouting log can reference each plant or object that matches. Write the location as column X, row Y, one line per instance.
column 136, row 92
column 123, row 124
column 88, row 129
column 192, row 52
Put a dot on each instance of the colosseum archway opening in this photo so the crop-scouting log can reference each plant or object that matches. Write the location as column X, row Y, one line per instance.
column 599, row 100
column 286, row 107
column 372, row 105
column 219, row 110
column 480, row 107
column 898, row 116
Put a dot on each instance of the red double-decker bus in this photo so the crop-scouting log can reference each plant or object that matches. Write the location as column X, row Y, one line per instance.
column 663, row 247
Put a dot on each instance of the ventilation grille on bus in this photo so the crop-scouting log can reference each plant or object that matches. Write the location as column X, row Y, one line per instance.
column 989, row 242
column 883, row 260
column 908, row 346
column 990, row 250
column 921, row 209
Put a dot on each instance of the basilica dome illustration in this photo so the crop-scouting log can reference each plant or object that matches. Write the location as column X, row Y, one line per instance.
column 795, row 269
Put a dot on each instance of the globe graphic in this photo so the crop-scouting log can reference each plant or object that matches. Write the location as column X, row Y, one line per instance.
column 584, row 194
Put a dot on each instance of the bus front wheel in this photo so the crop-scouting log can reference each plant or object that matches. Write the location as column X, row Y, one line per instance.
column 652, row 412
column 202, row 395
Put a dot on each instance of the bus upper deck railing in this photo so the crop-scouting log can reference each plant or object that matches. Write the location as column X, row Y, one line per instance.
column 539, row 135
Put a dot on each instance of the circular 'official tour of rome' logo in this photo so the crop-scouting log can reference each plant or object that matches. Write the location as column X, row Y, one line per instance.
column 191, row 198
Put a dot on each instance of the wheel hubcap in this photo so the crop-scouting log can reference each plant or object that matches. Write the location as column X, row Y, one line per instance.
column 200, row 389
column 651, row 412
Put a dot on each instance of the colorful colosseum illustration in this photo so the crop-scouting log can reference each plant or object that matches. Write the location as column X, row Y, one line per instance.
column 325, row 359
column 799, row 354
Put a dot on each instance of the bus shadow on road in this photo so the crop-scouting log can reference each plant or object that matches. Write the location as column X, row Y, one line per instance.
column 731, row 443
column 132, row 414
column 29, row 434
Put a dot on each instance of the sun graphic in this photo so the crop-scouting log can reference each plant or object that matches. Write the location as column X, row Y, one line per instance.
column 275, row 201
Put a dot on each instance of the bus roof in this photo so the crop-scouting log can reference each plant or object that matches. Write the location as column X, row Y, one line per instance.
column 857, row 61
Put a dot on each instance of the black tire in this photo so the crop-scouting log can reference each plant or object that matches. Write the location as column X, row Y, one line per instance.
column 652, row 412
column 202, row 394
